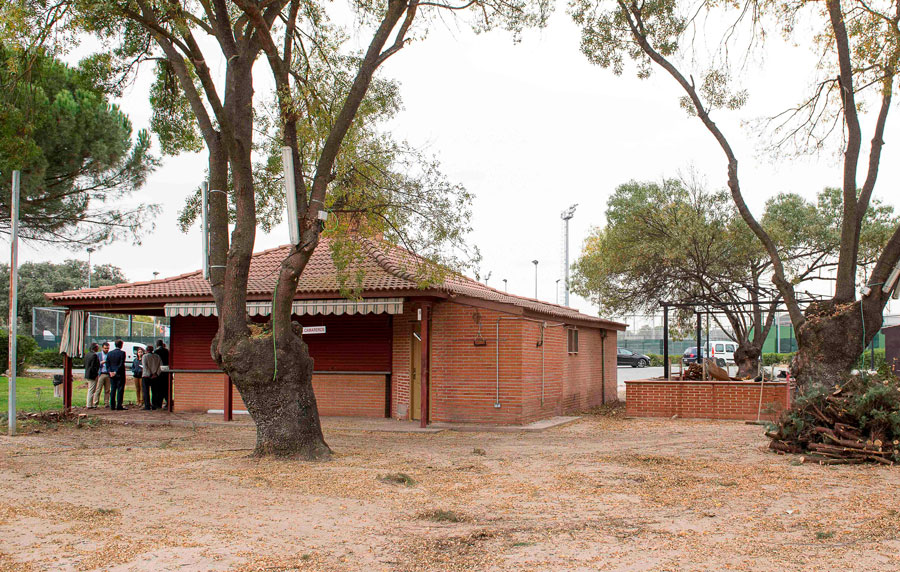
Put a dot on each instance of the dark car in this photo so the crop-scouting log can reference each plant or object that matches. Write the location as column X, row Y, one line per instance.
column 628, row 357
column 691, row 355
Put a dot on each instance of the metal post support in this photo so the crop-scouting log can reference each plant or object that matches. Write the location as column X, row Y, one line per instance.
column 13, row 296
column 666, row 366
column 699, row 336
column 229, row 399
column 777, row 335
column 426, row 369
column 67, row 382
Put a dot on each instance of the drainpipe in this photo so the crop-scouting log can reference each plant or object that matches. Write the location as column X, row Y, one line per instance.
column 603, row 366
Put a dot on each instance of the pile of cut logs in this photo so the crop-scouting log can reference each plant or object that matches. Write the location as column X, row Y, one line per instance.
column 836, row 438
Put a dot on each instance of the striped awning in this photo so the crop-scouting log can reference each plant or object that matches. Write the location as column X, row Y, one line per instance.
column 72, row 340
column 300, row 307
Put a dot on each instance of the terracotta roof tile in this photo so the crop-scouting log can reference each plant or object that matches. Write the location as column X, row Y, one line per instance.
column 385, row 268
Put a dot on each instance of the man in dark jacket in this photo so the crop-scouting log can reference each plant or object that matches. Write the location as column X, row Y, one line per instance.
column 91, row 373
column 115, row 361
column 162, row 382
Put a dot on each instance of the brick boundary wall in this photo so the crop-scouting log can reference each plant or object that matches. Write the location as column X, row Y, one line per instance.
column 705, row 399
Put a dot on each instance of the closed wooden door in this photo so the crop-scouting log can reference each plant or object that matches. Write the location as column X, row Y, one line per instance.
column 415, row 374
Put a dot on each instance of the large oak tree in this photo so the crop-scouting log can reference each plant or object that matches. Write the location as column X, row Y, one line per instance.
column 859, row 45
column 675, row 241
column 271, row 368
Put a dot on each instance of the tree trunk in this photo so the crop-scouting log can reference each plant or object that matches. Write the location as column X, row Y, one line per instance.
column 280, row 401
column 746, row 357
column 830, row 341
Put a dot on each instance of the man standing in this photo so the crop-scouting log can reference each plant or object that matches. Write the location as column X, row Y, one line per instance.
column 151, row 365
column 115, row 362
column 163, row 380
column 91, row 372
column 103, row 379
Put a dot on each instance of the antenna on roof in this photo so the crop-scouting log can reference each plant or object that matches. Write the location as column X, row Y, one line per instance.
column 290, row 191
column 204, row 226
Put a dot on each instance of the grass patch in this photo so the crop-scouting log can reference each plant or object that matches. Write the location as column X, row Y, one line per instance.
column 108, row 511
column 479, row 452
column 824, row 535
column 441, row 515
column 36, row 394
column 521, row 544
column 398, row 479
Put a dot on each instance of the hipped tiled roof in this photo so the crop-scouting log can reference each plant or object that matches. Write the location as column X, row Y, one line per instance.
column 384, row 268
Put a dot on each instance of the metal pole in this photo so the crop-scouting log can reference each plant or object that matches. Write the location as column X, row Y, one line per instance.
column 557, row 290
column 567, row 265
column 535, row 262
column 666, row 341
column 777, row 335
column 13, row 297
column 699, row 336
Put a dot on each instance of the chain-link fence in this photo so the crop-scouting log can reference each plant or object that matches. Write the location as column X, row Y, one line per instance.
column 47, row 324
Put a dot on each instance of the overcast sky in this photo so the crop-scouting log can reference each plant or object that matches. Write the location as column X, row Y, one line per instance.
column 530, row 129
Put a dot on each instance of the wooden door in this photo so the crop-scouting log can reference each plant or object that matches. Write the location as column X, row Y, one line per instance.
column 415, row 374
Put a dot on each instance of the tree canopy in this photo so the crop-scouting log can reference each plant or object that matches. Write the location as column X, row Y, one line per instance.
column 858, row 44
column 36, row 278
column 79, row 162
column 675, row 241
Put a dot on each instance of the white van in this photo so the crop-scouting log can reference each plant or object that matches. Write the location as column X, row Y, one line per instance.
column 722, row 350
column 128, row 348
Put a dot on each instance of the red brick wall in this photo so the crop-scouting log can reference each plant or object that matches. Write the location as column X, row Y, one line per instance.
column 704, row 399
column 336, row 394
column 464, row 376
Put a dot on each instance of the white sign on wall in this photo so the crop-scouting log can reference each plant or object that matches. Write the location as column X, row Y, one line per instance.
column 313, row 330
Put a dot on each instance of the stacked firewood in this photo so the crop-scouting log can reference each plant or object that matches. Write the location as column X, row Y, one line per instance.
column 830, row 429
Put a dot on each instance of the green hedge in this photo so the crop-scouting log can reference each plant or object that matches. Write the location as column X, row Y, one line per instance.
column 25, row 348
column 656, row 360
column 770, row 359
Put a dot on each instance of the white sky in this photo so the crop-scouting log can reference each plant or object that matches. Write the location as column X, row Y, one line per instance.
column 529, row 128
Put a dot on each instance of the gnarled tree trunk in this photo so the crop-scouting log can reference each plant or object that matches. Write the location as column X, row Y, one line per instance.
column 746, row 357
column 831, row 340
column 277, row 389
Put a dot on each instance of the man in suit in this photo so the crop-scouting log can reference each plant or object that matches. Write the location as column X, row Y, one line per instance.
column 151, row 371
column 91, row 375
column 103, row 378
column 162, row 382
column 115, row 362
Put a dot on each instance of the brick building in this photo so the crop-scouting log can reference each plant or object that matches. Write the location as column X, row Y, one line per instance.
column 458, row 351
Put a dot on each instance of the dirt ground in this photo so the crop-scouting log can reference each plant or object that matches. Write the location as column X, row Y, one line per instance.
column 604, row 493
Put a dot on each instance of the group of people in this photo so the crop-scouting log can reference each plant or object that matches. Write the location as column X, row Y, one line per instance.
column 104, row 370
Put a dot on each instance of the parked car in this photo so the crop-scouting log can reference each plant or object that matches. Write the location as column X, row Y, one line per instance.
column 722, row 350
column 628, row 357
column 691, row 355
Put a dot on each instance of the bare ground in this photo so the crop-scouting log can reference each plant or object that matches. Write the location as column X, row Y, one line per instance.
column 604, row 493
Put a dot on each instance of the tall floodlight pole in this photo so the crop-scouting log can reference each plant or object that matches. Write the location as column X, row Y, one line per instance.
column 567, row 216
column 13, row 298
column 557, row 290
column 535, row 262
column 505, row 289
column 90, row 249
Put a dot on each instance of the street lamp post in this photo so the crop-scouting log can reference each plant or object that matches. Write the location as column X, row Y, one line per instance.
column 90, row 249
column 567, row 216
column 505, row 289
column 557, row 290
column 535, row 262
